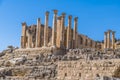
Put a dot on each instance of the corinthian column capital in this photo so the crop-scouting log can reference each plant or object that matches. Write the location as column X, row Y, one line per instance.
column 70, row 17
column 76, row 18
column 63, row 15
column 113, row 32
column 47, row 13
column 55, row 11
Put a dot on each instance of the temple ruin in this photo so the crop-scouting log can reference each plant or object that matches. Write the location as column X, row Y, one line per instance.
column 58, row 36
column 60, row 53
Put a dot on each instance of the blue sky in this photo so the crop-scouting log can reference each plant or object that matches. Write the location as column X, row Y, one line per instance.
column 95, row 16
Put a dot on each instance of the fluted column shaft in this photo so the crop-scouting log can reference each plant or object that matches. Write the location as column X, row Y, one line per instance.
column 46, row 29
column 29, row 39
column 113, row 40
column 23, row 37
column 38, row 33
column 54, row 28
column 58, row 34
column 62, row 30
column 28, row 46
column 108, row 39
column 69, row 32
column 105, row 40
column 75, row 35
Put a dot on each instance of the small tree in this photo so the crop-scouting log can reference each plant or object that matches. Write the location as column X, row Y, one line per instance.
column 10, row 47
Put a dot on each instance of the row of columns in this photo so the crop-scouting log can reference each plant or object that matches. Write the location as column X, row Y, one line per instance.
column 107, row 39
column 71, row 38
column 38, row 31
column 54, row 36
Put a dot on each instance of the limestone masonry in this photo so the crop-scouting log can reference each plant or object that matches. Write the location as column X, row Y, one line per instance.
column 60, row 53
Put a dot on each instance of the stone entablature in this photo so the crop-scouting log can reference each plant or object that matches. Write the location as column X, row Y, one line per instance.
column 58, row 36
column 86, row 70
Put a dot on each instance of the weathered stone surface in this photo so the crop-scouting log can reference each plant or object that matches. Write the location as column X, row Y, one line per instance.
column 44, row 64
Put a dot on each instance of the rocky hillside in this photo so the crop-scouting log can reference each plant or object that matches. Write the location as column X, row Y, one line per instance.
column 41, row 64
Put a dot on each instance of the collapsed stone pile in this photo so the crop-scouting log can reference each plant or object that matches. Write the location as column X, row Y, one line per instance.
column 43, row 72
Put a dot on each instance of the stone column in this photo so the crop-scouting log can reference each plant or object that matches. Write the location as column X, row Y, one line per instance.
column 62, row 30
column 75, row 35
column 105, row 40
column 69, row 32
column 58, row 34
column 46, row 29
column 23, row 37
column 54, row 28
column 29, row 39
column 108, row 39
column 113, row 39
column 38, row 33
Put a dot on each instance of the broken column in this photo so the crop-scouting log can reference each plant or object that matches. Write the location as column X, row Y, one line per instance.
column 75, row 35
column 62, row 30
column 113, row 39
column 69, row 32
column 23, row 37
column 54, row 28
column 46, row 29
column 105, row 40
column 38, row 31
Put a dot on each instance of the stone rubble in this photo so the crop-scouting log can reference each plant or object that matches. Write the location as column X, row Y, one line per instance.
column 44, row 64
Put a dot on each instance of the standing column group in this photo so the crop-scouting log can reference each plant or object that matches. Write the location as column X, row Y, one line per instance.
column 107, row 40
column 36, row 36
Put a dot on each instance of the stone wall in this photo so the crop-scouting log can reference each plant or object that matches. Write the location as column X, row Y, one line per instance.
column 86, row 70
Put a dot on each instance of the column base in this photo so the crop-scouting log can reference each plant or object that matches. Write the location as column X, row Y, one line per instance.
column 53, row 46
column 44, row 46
